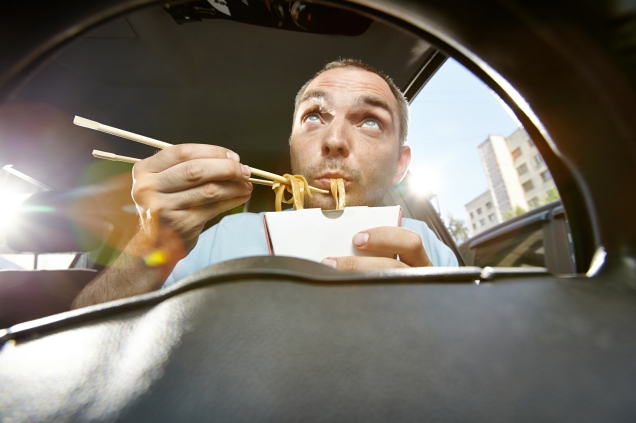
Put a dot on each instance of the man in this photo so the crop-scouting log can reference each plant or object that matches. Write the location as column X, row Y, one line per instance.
column 350, row 122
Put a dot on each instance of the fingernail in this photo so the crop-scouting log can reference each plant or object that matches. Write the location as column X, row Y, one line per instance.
column 360, row 239
column 246, row 170
column 330, row 263
column 248, row 186
column 233, row 156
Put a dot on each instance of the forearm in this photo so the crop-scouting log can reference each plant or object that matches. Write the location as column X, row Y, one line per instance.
column 132, row 273
column 177, row 190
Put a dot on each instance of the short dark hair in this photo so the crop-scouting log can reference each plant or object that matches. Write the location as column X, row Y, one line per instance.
column 403, row 105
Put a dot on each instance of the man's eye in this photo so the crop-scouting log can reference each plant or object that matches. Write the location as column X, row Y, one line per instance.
column 370, row 124
column 312, row 118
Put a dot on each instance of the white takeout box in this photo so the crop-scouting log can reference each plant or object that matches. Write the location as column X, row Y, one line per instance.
column 314, row 234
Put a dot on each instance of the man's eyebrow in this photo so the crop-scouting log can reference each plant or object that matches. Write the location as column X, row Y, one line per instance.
column 317, row 94
column 376, row 102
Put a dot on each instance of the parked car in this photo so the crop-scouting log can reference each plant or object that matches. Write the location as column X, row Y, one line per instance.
column 538, row 238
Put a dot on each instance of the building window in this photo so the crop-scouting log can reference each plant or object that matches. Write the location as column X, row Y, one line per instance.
column 491, row 217
column 528, row 186
column 546, row 176
column 538, row 160
column 516, row 153
column 474, row 227
column 479, row 210
column 482, row 222
column 533, row 203
column 471, row 215
column 489, row 205
column 530, row 144
column 522, row 169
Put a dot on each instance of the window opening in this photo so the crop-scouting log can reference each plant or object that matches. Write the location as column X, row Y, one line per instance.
column 528, row 186
column 488, row 169
column 523, row 169
column 516, row 153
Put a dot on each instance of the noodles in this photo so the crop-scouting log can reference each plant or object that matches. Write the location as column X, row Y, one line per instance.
column 298, row 187
column 341, row 195
column 338, row 193
column 334, row 191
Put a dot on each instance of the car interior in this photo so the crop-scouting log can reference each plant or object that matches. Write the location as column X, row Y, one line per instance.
column 536, row 323
column 155, row 56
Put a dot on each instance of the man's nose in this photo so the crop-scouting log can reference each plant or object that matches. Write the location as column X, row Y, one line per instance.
column 337, row 140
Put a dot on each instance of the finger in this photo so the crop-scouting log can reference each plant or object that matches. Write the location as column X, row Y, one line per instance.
column 201, row 214
column 199, row 171
column 188, row 223
column 385, row 239
column 354, row 264
column 212, row 192
column 176, row 154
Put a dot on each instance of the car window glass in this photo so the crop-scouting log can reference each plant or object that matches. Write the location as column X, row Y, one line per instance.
column 481, row 170
column 473, row 163
column 184, row 75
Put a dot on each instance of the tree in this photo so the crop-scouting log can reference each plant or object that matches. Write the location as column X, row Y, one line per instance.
column 552, row 195
column 509, row 214
column 457, row 228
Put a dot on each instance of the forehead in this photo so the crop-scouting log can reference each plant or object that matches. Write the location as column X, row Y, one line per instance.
column 354, row 82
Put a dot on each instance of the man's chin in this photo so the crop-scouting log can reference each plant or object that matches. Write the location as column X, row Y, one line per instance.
column 320, row 201
column 325, row 202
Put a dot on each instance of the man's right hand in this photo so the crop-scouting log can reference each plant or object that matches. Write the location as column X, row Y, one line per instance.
column 182, row 187
column 176, row 191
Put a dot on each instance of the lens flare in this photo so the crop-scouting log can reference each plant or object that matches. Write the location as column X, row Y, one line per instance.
column 156, row 258
column 10, row 204
column 424, row 181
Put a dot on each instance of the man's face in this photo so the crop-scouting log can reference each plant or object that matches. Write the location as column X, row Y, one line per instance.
column 347, row 126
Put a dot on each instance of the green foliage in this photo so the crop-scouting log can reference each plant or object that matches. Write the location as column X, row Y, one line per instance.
column 457, row 228
column 552, row 195
column 509, row 214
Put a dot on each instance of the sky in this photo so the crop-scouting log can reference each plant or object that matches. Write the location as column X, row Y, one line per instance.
column 452, row 115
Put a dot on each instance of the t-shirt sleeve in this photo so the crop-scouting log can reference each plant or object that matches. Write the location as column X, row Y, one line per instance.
column 235, row 236
column 195, row 260
column 438, row 252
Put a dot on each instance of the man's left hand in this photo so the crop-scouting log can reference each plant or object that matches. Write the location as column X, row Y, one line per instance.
column 397, row 241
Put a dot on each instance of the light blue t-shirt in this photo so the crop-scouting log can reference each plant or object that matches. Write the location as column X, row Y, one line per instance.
column 243, row 235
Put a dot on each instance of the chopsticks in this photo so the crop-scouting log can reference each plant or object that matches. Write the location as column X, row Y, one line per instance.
column 116, row 158
column 91, row 124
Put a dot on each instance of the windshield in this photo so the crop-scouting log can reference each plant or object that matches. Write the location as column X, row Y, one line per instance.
column 200, row 74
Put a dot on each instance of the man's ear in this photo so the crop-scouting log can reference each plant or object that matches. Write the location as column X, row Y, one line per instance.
column 403, row 164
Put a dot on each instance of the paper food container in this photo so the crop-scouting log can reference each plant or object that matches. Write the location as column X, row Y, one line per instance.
column 314, row 234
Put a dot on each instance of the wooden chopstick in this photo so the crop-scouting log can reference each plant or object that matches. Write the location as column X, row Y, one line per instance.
column 91, row 124
column 260, row 182
column 117, row 158
column 114, row 157
column 268, row 175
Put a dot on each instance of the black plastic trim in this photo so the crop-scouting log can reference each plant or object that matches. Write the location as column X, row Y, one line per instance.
column 489, row 274
column 537, row 215
column 426, row 72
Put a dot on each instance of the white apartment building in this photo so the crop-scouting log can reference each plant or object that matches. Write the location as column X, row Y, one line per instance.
column 481, row 213
column 534, row 177
column 517, row 179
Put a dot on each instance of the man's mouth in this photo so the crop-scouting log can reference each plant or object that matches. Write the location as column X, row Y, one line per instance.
column 324, row 181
